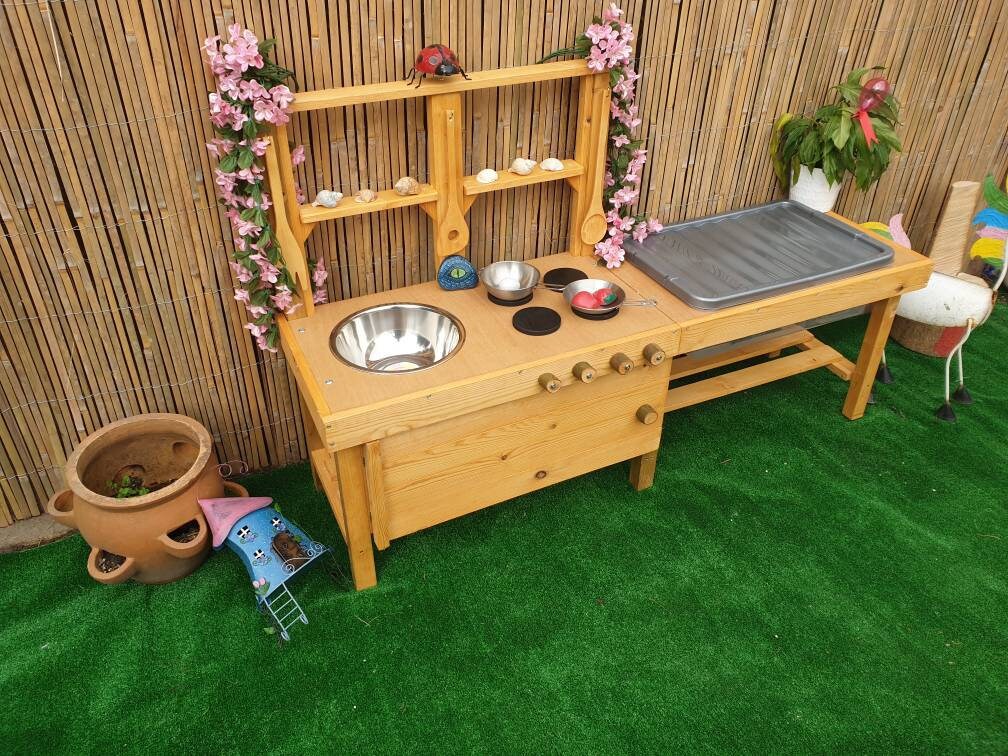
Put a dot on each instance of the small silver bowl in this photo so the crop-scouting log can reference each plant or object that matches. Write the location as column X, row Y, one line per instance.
column 510, row 280
column 591, row 285
column 396, row 338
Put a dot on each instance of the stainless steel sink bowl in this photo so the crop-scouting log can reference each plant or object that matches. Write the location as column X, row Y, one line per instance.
column 396, row 338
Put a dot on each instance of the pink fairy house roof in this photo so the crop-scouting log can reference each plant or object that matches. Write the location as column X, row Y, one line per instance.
column 222, row 514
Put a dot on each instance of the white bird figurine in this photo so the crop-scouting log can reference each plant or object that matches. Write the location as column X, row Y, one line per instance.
column 957, row 301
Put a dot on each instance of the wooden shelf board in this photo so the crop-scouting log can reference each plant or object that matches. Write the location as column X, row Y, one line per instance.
column 508, row 180
column 341, row 97
column 348, row 206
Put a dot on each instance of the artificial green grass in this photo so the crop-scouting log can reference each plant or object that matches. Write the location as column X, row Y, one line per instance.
column 792, row 582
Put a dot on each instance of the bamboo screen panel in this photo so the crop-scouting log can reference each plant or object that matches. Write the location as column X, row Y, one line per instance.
column 113, row 256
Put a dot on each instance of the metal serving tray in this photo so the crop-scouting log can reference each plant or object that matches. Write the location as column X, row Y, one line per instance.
column 758, row 252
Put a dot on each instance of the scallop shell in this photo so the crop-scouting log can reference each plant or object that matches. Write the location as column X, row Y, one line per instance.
column 407, row 185
column 486, row 176
column 551, row 164
column 522, row 166
column 327, row 198
column 366, row 195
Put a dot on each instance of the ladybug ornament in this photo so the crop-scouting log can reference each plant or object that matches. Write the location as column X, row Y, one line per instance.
column 435, row 60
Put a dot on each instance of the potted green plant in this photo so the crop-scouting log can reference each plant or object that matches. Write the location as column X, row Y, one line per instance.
column 855, row 134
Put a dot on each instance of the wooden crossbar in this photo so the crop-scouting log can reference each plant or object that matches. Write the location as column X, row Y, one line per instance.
column 812, row 354
column 341, row 97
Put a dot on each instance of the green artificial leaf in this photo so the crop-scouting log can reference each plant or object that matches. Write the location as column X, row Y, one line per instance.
column 810, row 151
column 849, row 93
column 250, row 129
column 842, row 130
column 245, row 157
column 832, row 166
column 228, row 163
column 266, row 46
column 994, row 195
column 855, row 76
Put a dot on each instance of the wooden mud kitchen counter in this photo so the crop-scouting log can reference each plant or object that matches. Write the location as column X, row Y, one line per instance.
column 500, row 412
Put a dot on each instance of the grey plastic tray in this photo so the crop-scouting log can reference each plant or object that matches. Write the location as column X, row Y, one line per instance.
column 750, row 254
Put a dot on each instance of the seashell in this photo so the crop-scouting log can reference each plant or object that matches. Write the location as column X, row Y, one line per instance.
column 366, row 195
column 327, row 198
column 486, row 176
column 522, row 166
column 551, row 164
column 407, row 185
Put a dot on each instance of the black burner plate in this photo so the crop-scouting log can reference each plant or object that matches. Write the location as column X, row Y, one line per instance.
column 536, row 321
column 596, row 316
column 558, row 278
column 509, row 302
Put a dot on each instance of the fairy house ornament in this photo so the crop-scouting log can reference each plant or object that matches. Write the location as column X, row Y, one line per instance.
column 435, row 60
column 272, row 548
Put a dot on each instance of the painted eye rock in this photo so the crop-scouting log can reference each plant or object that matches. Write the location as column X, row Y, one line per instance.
column 435, row 60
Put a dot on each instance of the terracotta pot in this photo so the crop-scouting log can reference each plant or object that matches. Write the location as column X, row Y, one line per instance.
column 158, row 449
column 812, row 189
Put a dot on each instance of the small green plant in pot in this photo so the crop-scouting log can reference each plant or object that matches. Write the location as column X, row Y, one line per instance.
column 856, row 134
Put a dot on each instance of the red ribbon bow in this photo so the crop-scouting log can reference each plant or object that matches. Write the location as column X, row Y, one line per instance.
column 873, row 94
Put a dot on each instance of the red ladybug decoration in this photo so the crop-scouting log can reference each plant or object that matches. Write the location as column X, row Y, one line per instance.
column 435, row 60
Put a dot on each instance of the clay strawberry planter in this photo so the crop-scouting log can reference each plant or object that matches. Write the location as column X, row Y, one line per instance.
column 160, row 536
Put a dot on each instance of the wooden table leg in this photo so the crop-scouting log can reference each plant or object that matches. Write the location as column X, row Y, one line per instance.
column 642, row 470
column 863, row 377
column 314, row 443
column 356, row 516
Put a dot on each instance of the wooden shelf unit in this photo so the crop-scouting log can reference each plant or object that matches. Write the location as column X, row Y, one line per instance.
column 348, row 206
column 508, row 180
column 449, row 194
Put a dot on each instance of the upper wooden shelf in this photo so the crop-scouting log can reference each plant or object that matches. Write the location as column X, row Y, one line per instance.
column 341, row 97
column 508, row 180
column 387, row 199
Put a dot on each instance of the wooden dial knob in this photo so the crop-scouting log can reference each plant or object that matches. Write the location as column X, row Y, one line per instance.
column 647, row 414
column 584, row 372
column 654, row 354
column 621, row 363
column 549, row 382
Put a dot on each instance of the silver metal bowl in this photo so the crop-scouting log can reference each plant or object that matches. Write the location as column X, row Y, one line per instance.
column 591, row 285
column 396, row 338
column 510, row 279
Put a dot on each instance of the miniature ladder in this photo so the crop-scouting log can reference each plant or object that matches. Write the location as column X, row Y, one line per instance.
column 284, row 609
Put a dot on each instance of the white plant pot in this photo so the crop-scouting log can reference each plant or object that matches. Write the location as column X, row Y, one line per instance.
column 812, row 189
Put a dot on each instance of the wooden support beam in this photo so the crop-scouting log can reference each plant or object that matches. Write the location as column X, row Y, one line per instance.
column 863, row 377
column 692, row 364
column 642, row 470
column 356, row 517
column 746, row 378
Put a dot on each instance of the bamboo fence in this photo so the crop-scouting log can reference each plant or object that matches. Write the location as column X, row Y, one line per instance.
column 113, row 259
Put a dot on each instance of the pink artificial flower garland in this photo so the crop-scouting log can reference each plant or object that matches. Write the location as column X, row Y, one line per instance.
column 250, row 96
column 607, row 45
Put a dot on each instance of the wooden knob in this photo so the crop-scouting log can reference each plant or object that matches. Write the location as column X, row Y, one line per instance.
column 621, row 363
column 654, row 354
column 549, row 382
column 646, row 414
column 584, row 372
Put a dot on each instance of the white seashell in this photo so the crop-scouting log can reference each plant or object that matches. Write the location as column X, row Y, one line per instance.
column 407, row 185
column 522, row 166
column 486, row 176
column 551, row 164
column 327, row 198
column 366, row 195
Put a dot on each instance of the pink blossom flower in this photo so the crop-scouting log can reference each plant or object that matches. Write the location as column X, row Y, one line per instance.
column 256, row 329
column 247, row 227
column 597, row 60
column 654, row 226
column 620, row 140
column 243, row 274
column 598, row 33
column 298, row 155
column 612, row 13
column 282, row 96
column 242, row 52
column 268, row 272
column 640, row 232
column 257, row 311
column 320, row 297
column 319, row 273
column 241, row 295
column 610, row 251
column 283, row 299
column 258, row 146
column 299, row 194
